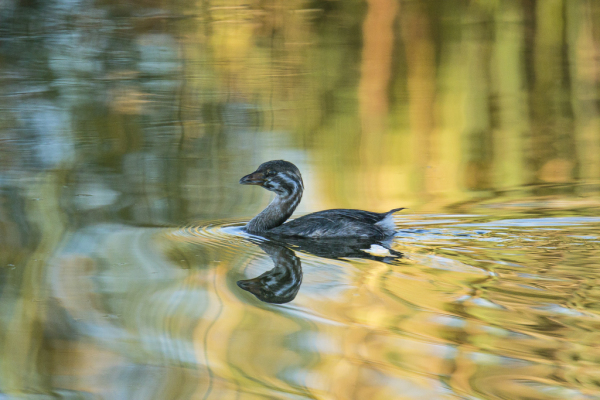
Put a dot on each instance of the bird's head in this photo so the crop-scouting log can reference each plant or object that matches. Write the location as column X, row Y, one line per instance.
column 279, row 176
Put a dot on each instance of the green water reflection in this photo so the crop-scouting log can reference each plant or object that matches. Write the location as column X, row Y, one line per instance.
column 125, row 127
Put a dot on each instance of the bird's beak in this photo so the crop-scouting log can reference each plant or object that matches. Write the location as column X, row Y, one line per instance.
column 255, row 178
column 251, row 285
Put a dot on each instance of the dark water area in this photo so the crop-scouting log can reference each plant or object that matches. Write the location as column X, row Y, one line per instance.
column 126, row 126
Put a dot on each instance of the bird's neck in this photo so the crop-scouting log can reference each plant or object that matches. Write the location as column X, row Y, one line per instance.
column 276, row 213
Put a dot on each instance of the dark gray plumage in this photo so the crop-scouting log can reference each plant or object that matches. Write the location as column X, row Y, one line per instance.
column 283, row 178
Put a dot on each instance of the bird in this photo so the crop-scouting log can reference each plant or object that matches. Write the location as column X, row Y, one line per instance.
column 284, row 179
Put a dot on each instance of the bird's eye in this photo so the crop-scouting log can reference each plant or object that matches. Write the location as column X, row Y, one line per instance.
column 270, row 173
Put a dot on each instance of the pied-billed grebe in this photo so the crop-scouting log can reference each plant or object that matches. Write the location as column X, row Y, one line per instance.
column 283, row 178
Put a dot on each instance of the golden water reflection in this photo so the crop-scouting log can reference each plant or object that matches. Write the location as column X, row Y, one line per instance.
column 475, row 307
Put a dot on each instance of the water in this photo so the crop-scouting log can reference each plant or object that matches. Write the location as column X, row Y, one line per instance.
column 124, row 129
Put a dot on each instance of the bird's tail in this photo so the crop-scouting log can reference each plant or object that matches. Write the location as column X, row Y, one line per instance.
column 395, row 210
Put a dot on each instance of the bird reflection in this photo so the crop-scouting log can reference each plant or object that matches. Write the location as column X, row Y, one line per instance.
column 281, row 284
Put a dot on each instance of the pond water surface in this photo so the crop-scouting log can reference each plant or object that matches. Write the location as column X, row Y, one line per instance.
column 124, row 130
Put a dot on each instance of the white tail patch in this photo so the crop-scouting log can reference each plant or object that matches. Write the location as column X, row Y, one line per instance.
column 387, row 224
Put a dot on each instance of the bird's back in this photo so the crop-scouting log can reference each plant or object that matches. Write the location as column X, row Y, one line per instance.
column 338, row 223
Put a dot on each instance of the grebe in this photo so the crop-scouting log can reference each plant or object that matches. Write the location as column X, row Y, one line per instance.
column 283, row 178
